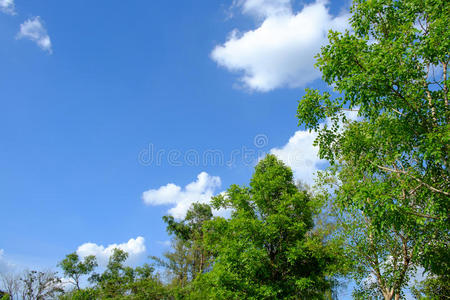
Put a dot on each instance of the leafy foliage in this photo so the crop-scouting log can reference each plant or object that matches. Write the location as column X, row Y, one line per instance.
column 265, row 250
column 389, row 178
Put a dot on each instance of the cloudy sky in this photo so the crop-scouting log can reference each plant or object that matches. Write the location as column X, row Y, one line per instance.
column 115, row 113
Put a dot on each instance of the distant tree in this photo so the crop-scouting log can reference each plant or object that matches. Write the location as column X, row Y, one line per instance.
column 146, row 285
column 189, row 258
column 38, row 285
column 267, row 249
column 114, row 281
column 74, row 268
column 178, row 263
column 119, row 281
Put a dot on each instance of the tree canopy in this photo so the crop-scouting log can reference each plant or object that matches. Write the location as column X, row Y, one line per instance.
column 389, row 166
column 267, row 249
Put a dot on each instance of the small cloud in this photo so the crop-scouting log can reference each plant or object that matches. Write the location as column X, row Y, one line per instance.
column 164, row 243
column 34, row 30
column 134, row 247
column 181, row 199
column 8, row 7
column 280, row 52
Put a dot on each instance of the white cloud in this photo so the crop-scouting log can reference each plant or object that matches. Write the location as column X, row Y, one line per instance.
column 5, row 266
column 280, row 52
column 8, row 7
column 34, row 30
column 180, row 199
column 164, row 243
column 301, row 155
column 134, row 247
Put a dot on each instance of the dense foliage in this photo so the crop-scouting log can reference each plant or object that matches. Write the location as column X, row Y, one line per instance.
column 267, row 249
column 389, row 177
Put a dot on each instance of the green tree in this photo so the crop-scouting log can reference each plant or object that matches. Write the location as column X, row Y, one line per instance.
column 267, row 249
column 81, row 294
column 178, row 263
column 73, row 268
column 114, row 281
column 389, row 169
column 119, row 281
column 145, row 285
column 190, row 257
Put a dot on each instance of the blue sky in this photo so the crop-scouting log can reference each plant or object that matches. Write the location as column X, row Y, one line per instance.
column 89, row 88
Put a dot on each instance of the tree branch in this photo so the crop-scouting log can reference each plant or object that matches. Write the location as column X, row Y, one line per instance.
column 415, row 178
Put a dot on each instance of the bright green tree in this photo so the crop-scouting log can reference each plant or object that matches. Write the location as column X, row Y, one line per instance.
column 390, row 167
column 267, row 248
column 74, row 268
column 114, row 281
column 120, row 281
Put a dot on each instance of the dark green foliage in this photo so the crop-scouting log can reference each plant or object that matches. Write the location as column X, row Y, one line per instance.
column 267, row 250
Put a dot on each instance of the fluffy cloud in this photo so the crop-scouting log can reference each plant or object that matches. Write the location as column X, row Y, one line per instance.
column 280, row 52
column 7, row 6
column 134, row 247
column 301, row 155
column 5, row 266
column 181, row 199
column 34, row 30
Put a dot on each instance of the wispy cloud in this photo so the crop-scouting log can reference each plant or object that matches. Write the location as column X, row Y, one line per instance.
column 280, row 52
column 8, row 7
column 34, row 30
